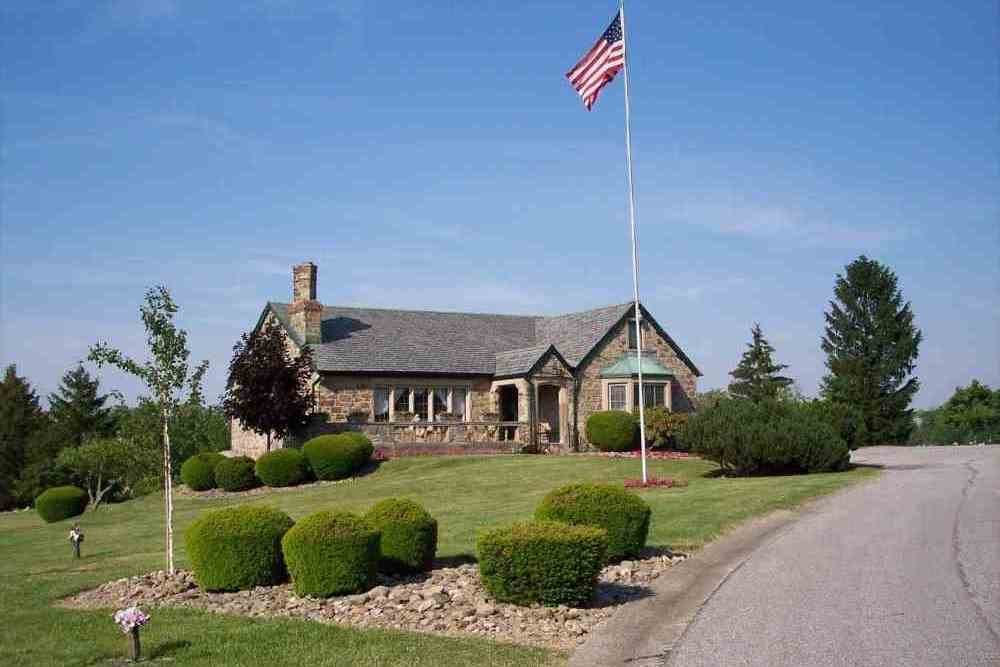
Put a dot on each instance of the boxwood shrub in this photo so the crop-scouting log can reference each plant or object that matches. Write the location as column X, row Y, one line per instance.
column 409, row 535
column 198, row 472
column 545, row 562
column 768, row 437
column 282, row 467
column 236, row 474
column 60, row 502
column 331, row 553
column 612, row 430
column 624, row 515
column 238, row 548
column 339, row 455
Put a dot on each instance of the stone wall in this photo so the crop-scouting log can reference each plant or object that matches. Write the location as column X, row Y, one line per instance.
column 588, row 387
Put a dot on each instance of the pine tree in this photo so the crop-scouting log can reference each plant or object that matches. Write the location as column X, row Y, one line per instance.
column 77, row 409
column 871, row 345
column 267, row 389
column 756, row 377
column 20, row 418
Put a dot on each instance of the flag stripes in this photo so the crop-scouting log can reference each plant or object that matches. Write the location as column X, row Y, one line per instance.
column 600, row 65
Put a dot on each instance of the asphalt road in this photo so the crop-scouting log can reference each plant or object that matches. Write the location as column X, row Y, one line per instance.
column 901, row 571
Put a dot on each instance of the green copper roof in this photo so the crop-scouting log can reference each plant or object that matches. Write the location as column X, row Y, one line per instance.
column 628, row 366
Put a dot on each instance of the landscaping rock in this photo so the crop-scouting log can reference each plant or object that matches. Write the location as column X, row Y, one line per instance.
column 446, row 601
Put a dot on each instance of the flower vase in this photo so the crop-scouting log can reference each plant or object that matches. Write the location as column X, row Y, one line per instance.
column 136, row 648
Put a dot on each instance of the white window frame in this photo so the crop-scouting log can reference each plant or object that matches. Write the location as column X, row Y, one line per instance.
column 616, row 385
column 429, row 388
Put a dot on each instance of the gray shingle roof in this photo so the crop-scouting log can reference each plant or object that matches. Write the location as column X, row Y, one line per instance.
column 377, row 340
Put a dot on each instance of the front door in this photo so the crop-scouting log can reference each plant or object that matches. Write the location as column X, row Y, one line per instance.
column 548, row 410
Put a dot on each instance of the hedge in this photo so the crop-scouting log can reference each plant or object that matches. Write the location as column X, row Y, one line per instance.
column 236, row 474
column 238, row 548
column 282, row 467
column 339, row 455
column 198, row 472
column 769, row 437
column 612, row 430
column 624, row 515
column 60, row 502
column 543, row 562
column 409, row 535
column 331, row 553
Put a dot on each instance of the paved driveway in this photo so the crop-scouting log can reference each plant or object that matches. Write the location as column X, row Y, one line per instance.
column 901, row 571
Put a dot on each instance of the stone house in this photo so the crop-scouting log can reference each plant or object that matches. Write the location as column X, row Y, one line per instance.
column 438, row 381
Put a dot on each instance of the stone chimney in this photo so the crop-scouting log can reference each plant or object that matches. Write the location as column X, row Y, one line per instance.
column 305, row 312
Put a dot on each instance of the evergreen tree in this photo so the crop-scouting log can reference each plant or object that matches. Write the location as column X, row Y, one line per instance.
column 77, row 409
column 871, row 344
column 20, row 419
column 756, row 377
column 268, row 388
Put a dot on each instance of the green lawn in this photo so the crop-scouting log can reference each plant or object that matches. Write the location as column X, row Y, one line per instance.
column 465, row 494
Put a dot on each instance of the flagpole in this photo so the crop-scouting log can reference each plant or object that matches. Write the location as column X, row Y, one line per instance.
column 635, row 247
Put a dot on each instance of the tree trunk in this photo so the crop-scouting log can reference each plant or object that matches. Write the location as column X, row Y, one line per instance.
column 168, row 488
column 268, row 442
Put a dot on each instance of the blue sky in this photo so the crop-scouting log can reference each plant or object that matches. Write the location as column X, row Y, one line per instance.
column 430, row 155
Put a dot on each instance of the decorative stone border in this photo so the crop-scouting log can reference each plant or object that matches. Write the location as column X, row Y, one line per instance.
column 448, row 601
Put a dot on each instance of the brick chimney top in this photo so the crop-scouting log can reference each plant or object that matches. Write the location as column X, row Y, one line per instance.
column 304, row 282
column 305, row 312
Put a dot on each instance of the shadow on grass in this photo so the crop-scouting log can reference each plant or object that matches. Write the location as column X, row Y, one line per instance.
column 455, row 561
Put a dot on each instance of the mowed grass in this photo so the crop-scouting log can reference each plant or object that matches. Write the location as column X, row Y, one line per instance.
column 465, row 494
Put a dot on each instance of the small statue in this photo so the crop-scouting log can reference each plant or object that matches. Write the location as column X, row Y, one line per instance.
column 76, row 537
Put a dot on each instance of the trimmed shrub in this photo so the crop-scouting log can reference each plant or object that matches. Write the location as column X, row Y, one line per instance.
column 61, row 502
column 237, row 548
column 339, row 455
column 409, row 535
column 624, row 515
column 236, row 474
column 282, row 467
column 662, row 426
column 770, row 437
column 198, row 472
column 612, row 430
column 546, row 562
column 331, row 553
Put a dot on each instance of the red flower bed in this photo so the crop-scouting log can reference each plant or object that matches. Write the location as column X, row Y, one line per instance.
column 654, row 482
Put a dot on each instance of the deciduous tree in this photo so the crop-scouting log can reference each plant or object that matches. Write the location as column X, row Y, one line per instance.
column 872, row 345
column 268, row 387
column 166, row 374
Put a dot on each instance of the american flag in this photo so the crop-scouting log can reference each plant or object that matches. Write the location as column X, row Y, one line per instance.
column 597, row 69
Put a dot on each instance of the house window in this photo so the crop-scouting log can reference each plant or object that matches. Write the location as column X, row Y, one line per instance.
column 421, row 403
column 458, row 403
column 402, row 402
column 381, row 404
column 440, row 396
column 632, row 339
column 616, row 397
column 654, row 395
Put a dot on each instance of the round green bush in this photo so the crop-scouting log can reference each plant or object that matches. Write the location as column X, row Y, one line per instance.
column 60, row 502
column 236, row 474
column 612, row 430
column 339, row 455
column 198, row 472
column 624, row 515
column 238, row 548
column 545, row 562
column 409, row 535
column 331, row 553
column 282, row 467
